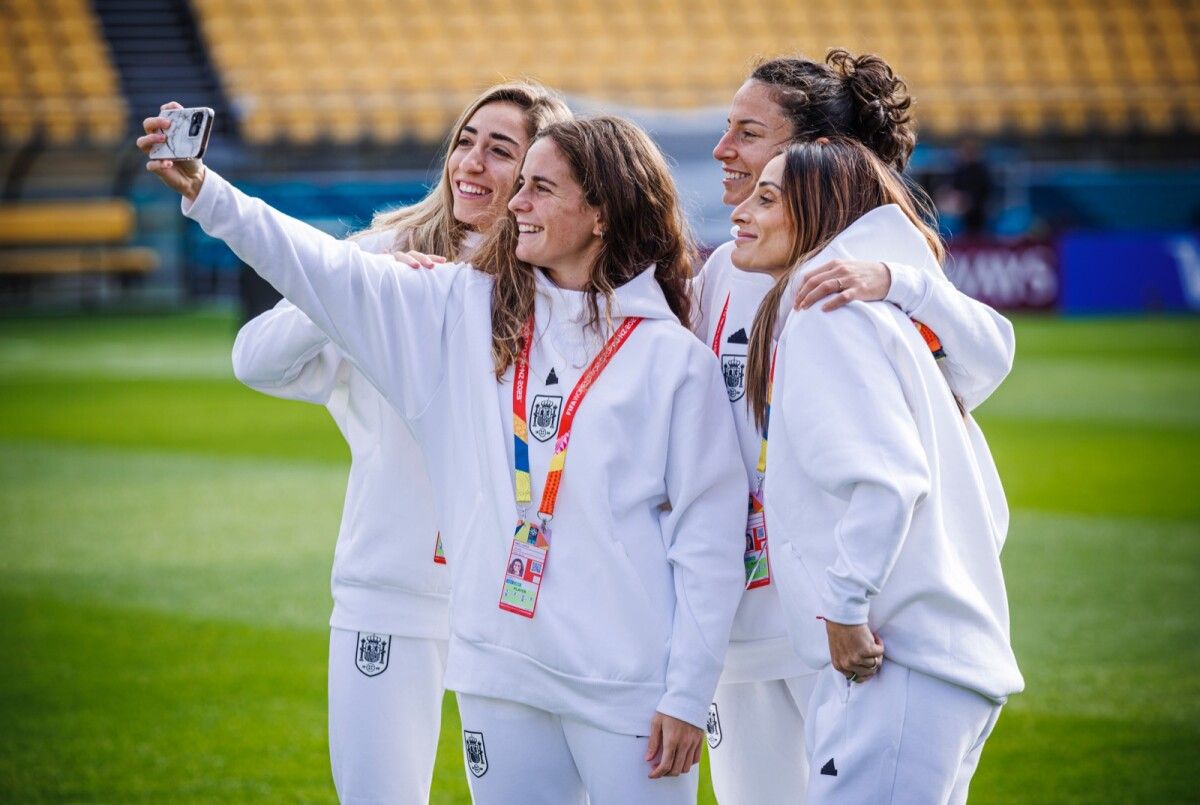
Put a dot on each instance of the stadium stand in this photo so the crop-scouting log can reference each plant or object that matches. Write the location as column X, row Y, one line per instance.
column 57, row 80
column 71, row 237
column 323, row 70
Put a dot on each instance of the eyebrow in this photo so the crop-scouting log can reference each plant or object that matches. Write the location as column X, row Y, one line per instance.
column 543, row 180
column 770, row 184
column 749, row 121
column 495, row 135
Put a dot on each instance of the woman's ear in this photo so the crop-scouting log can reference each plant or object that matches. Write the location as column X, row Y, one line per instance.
column 599, row 228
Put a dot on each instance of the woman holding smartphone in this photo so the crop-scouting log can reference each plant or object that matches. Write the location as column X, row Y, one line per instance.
column 390, row 624
column 756, row 723
column 590, row 673
column 888, row 518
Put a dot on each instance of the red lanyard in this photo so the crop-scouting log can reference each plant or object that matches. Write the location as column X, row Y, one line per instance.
column 567, row 419
column 716, row 344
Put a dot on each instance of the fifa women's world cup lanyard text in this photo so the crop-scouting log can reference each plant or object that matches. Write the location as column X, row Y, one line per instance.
column 758, row 566
column 526, row 563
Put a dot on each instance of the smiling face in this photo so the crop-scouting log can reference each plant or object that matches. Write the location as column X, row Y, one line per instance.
column 757, row 129
column 557, row 228
column 766, row 234
column 483, row 164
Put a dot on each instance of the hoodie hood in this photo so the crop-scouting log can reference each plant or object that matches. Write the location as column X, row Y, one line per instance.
column 885, row 234
column 641, row 296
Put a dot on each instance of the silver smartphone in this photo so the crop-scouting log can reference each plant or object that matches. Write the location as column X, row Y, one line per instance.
column 187, row 136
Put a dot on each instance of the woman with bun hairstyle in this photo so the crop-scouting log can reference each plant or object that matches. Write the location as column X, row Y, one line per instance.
column 587, row 670
column 757, row 718
column 389, row 626
column 887, row 516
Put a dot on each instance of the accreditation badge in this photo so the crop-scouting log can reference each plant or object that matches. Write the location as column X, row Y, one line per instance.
column 439, row 552
column 524, row 569
column 758, row 568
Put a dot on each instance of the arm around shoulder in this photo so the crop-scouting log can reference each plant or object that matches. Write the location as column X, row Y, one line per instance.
column 282, row 353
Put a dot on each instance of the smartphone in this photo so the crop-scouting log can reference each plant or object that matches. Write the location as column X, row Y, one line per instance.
column 187, row 136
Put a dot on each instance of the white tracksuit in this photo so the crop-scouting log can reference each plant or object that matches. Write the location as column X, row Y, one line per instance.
column 390, row 621
column 756, row 727
column 886, row 509
column 644, row 572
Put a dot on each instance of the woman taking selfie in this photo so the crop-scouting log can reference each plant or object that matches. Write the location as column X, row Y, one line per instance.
column 389, row 626
column 887, row 519
column 756, row 723
column 591, row 672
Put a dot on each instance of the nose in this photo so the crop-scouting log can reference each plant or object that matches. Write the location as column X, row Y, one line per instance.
column 520, row 200
column 725, row 150
column 473, row 161
column 740, row 214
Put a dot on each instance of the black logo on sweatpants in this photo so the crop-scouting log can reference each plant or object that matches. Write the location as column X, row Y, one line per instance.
column 829, row 769
column 372, row 653
column 476, row 752
column 714, row 726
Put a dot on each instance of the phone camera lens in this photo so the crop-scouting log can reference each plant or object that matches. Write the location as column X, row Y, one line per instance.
column 197, row 121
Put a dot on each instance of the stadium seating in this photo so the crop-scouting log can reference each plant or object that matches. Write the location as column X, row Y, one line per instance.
column 71, row 237
column 380, row 70
column 56, row 75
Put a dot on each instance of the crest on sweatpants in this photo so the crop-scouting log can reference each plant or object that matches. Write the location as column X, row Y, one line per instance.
column 373, row 653
column 734, row 369
column 714, row 727
column 476, row 752
column 543, row 416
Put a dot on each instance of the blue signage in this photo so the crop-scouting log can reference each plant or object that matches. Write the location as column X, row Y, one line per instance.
column 1131, row 272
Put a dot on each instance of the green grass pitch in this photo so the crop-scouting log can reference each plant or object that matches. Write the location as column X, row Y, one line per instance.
column 166, row 535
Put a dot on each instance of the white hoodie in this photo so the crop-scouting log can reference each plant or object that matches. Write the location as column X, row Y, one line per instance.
column 644, row 572
column 979, row 348
column 884, row 505
column 384, row 576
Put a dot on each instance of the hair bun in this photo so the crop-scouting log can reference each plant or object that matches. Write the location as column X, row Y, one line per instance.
column 881, row 104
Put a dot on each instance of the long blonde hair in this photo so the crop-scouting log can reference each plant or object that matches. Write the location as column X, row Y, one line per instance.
column 625, row 176
column 429, row 226
column 827, row 186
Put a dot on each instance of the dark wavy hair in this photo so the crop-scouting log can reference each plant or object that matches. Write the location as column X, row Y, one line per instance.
column 859, row 97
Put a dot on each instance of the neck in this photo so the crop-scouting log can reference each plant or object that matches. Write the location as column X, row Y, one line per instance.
column 571, row 278
column 774, row 272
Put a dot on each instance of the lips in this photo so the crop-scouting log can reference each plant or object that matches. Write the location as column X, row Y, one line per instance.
column 472, row 190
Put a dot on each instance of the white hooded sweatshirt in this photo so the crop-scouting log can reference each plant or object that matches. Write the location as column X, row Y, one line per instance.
column 644, row 571
column 979, row 347
column 883, row 503
column 378, row 582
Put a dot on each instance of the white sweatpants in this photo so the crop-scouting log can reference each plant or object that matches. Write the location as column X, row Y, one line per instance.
column 756, row 741
column 900, row 737
column 385, row 711
column 515, row 753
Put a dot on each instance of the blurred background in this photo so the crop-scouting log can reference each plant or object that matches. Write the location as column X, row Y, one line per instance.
column 166, row 535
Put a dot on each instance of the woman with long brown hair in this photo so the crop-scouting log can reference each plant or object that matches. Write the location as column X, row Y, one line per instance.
column 389, row 625
column 756, row 723
column 886, row 513
column 586, row 668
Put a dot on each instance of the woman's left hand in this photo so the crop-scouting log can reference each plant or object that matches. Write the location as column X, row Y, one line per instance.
column 853, row 650
column 846, row 281
column 676, row 743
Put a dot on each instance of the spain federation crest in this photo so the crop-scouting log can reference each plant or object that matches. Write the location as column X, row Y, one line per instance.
column 373, row 653
column 714, row 727
column 543, row 416
column 734, row 369
column 476, row 752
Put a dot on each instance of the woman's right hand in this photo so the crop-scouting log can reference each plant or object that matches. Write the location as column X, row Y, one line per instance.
column 416, row 259
column 184, row 176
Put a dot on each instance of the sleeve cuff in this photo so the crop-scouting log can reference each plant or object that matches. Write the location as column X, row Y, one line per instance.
column 845, row 604
column 685, row 708
column 201, row 207
column 908, row 289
